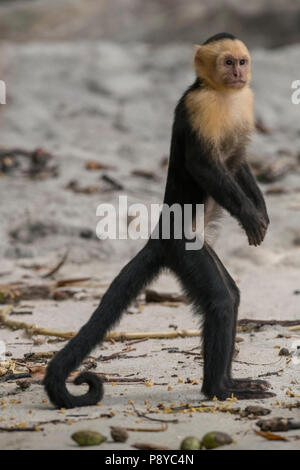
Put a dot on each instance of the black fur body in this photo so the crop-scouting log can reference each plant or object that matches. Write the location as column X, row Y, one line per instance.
column 194, row 175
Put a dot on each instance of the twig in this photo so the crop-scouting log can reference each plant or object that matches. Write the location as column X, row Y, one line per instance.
column 189, row 353
column 257, row 364
column 21, row 312
column 83, row 417
column 67, row 282
column 113, row 182
column 269, row 374
column 116, row 336
column 31, row 329
column 32, row 429
column 124, row 379
column 115, row 355
column 39, row 355
column 202, row 407
column 164, row 427
column 58, row 266
column 130, row 343
column 143, row 415
column 258, row 323
column 120, row 336
column 121, row 356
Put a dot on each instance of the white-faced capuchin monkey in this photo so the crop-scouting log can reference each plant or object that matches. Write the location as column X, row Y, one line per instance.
column 212, row 124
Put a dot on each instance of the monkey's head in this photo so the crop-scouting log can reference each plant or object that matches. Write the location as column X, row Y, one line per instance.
column 223, row 62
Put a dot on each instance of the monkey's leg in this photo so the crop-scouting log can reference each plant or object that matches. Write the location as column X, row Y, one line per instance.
column 205, row 285
column 254, row 384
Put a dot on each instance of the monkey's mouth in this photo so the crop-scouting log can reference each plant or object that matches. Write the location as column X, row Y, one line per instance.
column 236, row 83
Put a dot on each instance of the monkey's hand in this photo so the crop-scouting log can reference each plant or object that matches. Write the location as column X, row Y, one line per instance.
column 264, row 215
column 255, row 225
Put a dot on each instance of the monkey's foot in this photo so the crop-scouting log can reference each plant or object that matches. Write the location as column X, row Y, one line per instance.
column 239, row 393
column 248, row 383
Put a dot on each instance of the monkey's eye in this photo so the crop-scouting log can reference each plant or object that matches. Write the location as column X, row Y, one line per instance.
column 242, row 62
column 228, row 62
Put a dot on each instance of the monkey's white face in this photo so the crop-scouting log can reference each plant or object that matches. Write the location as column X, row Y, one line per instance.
column 224, row 64
column 233, row 71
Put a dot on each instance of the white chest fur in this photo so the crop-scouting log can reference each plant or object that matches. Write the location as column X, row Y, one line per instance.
column 220, row 115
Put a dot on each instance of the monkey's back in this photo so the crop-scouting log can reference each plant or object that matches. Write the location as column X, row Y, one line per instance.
column 181, row 188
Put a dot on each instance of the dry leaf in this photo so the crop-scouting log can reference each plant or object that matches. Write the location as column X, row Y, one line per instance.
column 37, row 372
column 271, row 436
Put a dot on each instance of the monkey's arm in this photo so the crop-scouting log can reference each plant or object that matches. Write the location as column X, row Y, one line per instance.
column 218, row 182
column 246, row 181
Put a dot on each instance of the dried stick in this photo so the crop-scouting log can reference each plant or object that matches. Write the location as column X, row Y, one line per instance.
column 247, row 321
column 143, row 415
column 116, row 336
column 31, row 329
column 32, row 429
column 58, row 266
column 164, row 427
column 120, row 336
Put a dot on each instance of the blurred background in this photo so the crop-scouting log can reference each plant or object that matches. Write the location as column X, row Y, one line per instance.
column 267, row 23
column 91, row 89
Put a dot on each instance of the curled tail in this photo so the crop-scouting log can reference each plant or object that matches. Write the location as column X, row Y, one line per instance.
column 123, row 290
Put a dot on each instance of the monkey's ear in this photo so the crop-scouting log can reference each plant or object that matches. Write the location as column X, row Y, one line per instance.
column 198, row 58
column 197, row 50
